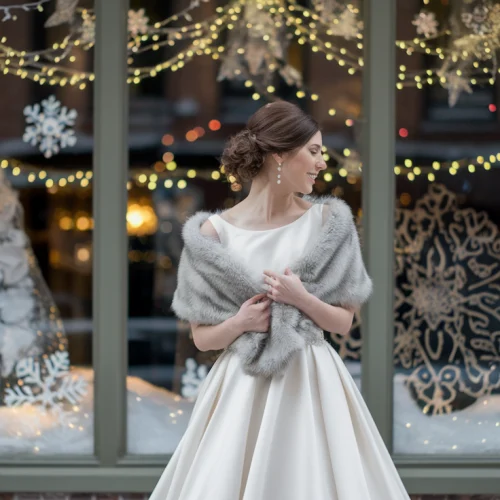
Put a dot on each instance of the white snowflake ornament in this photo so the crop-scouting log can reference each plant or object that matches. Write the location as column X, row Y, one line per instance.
column 137, row 22
column 87, row 30
column 193, row 377
column 347, row 25
column 50, row 388
column 426, row 24
column 456, row 84
column 50, row 126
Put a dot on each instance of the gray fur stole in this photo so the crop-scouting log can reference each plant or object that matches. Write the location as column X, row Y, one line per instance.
column 212, row 284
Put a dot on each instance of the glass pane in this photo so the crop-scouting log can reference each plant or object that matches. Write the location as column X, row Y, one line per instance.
column 46, row 395
column 178, row 128
column 447, row 300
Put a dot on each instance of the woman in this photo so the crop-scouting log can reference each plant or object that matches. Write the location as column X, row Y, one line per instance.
column 304, row 433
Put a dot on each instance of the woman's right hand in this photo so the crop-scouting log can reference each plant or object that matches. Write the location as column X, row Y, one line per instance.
column 254, row 316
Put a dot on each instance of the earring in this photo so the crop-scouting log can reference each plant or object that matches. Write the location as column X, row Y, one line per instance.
column 279, row 175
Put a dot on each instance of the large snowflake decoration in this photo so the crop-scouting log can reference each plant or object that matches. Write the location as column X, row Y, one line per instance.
column 447, row 302
column 347, row 26
column 193, row 377
column 455, row 84
column 426, row 24
column 478, row 19
column 49, row 126
column 50, row 386
column 137, row 22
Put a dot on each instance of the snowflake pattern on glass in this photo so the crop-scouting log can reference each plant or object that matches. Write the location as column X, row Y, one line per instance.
column 49, row 126
column 49, row 386
column 447, row 303
column 193, row 377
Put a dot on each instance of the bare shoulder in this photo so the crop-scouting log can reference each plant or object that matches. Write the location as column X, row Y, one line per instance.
column 208, row 229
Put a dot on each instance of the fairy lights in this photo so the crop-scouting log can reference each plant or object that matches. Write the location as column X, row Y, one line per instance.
column 9, row 10
column 256, row 25
column 174, row 177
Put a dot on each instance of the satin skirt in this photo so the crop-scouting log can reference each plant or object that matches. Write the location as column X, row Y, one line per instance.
column 305, row 435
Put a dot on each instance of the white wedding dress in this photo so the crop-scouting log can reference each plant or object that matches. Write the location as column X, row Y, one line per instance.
column 307, row 435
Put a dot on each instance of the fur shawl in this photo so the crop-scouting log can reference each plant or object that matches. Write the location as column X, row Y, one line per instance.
column 212, row 284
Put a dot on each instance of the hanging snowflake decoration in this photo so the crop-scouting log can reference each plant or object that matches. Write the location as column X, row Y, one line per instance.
column 347, row 25
column 87, row 30
column 193, row 377
column 478, row 20
column 426, row 24
column 50, row 387
column 137, row 22
column 49, row 126
column 64, row 13
column 455, row 84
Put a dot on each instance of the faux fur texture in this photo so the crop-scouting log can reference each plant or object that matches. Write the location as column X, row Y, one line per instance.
column 212, row 284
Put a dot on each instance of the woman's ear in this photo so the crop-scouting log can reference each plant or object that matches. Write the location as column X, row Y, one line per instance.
column 278, row 158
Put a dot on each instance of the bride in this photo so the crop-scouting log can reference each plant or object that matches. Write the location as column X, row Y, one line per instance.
column 279, row 416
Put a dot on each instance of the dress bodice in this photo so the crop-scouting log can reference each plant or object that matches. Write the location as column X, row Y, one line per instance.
column 272, row 249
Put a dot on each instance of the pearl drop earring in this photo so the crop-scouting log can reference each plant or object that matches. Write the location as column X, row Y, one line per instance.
column 279, row 175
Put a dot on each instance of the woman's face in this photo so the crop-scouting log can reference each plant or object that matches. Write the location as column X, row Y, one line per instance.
column 299, row 169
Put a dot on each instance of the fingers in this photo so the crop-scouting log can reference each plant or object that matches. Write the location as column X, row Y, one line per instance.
column 270, row 273
column 270, row 281
column 256, row 298
column 264, row 304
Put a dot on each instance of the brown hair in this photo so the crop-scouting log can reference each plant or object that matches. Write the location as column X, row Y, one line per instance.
column 279, row 127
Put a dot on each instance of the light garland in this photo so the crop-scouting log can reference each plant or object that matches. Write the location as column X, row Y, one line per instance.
column 307, row 26
column 8, row 9
column 171, row 176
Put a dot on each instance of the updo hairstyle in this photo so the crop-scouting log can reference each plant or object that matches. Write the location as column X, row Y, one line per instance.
column 279, row 127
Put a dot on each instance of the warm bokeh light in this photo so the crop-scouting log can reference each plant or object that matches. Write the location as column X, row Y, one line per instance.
column 191, row 136
column 66, row 223
column 83, row 223
column 214, row 125
column 405, row 199
column 141, row 219
column 167, row 157
column 167, row 140
column 83, row 254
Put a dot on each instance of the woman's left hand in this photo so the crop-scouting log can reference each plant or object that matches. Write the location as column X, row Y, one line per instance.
column 285, row 288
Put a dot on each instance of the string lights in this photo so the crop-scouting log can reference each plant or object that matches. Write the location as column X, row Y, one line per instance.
column 9, row 10
column 259, row 33
column 170, row 175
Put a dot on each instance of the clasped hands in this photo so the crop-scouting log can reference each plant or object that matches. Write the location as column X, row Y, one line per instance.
column 285, row 288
